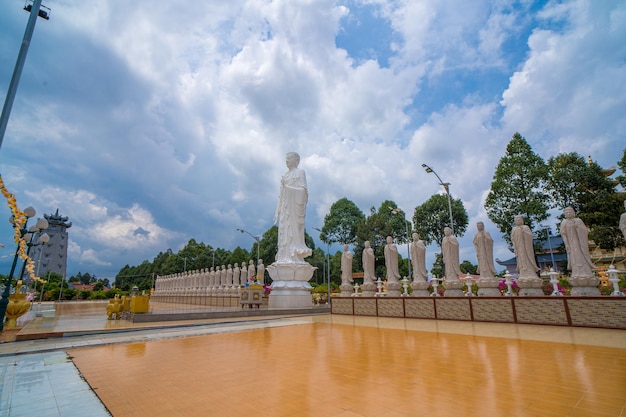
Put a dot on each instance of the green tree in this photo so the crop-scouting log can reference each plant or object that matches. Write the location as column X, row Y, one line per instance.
column 622, row 166
column 433, row 216
column 466, row 266
column 375, row 228
column 565, row 181
column 517, row 188
column 586, row 188
column 437, row 269
column 340, row 224
column 269, row 245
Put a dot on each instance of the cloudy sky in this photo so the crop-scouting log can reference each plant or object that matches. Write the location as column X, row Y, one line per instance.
column 150, row 123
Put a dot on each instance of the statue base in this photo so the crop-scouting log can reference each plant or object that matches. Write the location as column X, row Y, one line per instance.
column 420, row 288
column 530, row 287
column 584, row 286
column 393, row 289
column 368, row 289
column 290, row 287
column 346, row 290
column 453, row 288
column 488, row 287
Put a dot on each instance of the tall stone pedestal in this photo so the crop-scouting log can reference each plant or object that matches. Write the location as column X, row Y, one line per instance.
column 290, row 286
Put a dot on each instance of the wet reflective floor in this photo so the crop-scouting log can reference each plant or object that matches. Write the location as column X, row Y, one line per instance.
column 336, row 366
column 327, row 366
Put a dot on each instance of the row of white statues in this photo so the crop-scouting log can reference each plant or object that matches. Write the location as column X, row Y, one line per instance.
column 221, row 280
column 573, row 231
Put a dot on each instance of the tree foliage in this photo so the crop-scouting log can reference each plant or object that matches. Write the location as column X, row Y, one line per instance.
column 517, row 188
column 433, row 216
column 566, row 173
column 586, row 188
column 622, row 165
column 341, row 222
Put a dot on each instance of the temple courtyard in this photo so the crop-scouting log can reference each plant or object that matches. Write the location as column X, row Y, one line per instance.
column 71, row 361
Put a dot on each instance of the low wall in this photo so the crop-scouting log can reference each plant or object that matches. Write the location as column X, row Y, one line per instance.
column 604, row 312
column 209, row 301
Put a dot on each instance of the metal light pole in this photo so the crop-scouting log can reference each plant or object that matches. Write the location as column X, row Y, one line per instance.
column 35, row 10
column 327, row 264
column 406, row 226
column 446, row 186
column 549, row 232
column 258, row 240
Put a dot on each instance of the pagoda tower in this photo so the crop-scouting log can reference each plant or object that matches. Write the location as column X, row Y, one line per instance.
column 52, row 256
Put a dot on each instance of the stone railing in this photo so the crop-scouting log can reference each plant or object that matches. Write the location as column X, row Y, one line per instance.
column 604, row 312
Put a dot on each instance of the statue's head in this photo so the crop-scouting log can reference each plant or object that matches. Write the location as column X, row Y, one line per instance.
column 447, row 231
column 569, row 212
column 519, row 220
column 415, row 236
column 293, row 159
column 480, row 226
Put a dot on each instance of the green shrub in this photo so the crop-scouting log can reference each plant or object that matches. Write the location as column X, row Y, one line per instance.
column 98, row 295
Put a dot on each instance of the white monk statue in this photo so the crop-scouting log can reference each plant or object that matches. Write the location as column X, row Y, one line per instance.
column 418, row 258
column 576, row 239
column 450, row 249
column 251, row 271
column 290, row 213
column 369, row 264
column 346, row 266
column 236, row 274
column 290, row 273
column 260, row 271
column 243, row 276
column 483, row 243
column 391, row 261
column 522, row 239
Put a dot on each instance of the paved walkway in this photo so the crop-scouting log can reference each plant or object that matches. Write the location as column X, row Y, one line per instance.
column 312, row 366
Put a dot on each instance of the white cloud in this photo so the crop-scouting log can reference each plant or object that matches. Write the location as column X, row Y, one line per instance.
column 152, row 125
column 564, row 95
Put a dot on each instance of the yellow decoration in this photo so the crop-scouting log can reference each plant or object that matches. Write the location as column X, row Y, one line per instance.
column 139, row 303
column 114, row 308
column 17, row 307
column 19, row 221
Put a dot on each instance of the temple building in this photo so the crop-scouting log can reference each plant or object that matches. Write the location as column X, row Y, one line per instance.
column 550, row 254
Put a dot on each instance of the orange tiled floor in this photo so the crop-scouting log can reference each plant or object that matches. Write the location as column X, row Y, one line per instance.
column 338, row 367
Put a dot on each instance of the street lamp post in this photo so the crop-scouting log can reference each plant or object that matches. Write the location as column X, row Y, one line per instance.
column 258, row 242
column 406, row 226
column 327, row 264
column 548, row 233
column 42, row 238
column 446, row 186
column 35, row 11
